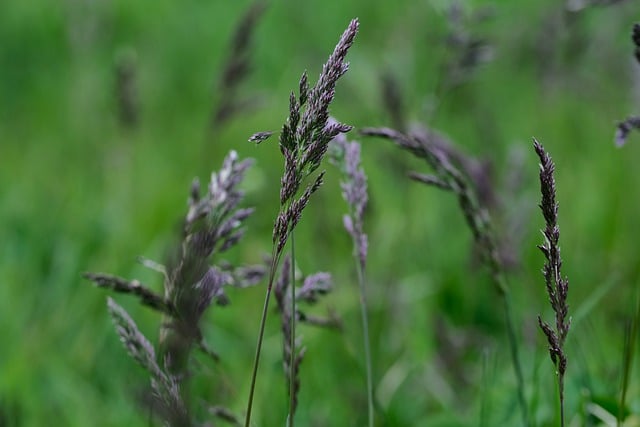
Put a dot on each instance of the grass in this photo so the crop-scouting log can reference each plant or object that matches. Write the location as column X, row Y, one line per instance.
column 79, row 193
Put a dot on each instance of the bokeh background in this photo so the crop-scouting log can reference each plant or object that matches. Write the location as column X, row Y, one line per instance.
column 83, row 188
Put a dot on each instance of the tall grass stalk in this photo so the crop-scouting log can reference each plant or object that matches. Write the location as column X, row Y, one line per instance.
column 448, row 177
column 485, row 391
column 263, row 321
column 515, row 358
column 292, row 335
column 557, row 286
column 303, row 142
column 366, row 341
column 346, row 155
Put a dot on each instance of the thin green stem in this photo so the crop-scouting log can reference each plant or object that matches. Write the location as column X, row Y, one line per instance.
column 292, row 335
column 561, row 398
column 365, row 333
column 515, row 357
column 484, row 395
column 263, row 320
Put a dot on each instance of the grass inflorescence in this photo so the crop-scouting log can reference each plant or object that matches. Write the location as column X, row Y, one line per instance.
column 346, row 155
column 557, row 286
column 304, row 141
column 213, row 224
column 448, row 177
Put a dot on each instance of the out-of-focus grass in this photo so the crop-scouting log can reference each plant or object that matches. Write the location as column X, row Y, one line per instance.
column 77, row 193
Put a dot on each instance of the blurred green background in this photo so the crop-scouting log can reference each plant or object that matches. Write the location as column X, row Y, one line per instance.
column 80, row 191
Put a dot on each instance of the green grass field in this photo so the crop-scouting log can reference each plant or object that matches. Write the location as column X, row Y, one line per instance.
column 79, row 192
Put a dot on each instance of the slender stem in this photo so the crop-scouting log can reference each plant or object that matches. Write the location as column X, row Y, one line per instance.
column 515, row 357
column 263, row 320
column 561, row 398
column 292, row 335
column 484, row 397
column 365, row 332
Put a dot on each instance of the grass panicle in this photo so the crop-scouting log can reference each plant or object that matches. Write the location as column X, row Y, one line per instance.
column 166, row 388
column 213, row 224
column 304, row 140
column 447, row 176
column 346, row 155
column 557, row 286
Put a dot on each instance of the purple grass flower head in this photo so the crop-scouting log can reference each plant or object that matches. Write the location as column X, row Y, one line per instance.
column 346, row 155
column 214, row 223
column 303, row 142
column 216, row 216
column 557, row 287
column 446, row 176
column 305, row 137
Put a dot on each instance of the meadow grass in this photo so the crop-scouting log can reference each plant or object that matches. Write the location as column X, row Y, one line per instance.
column 79, row 191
